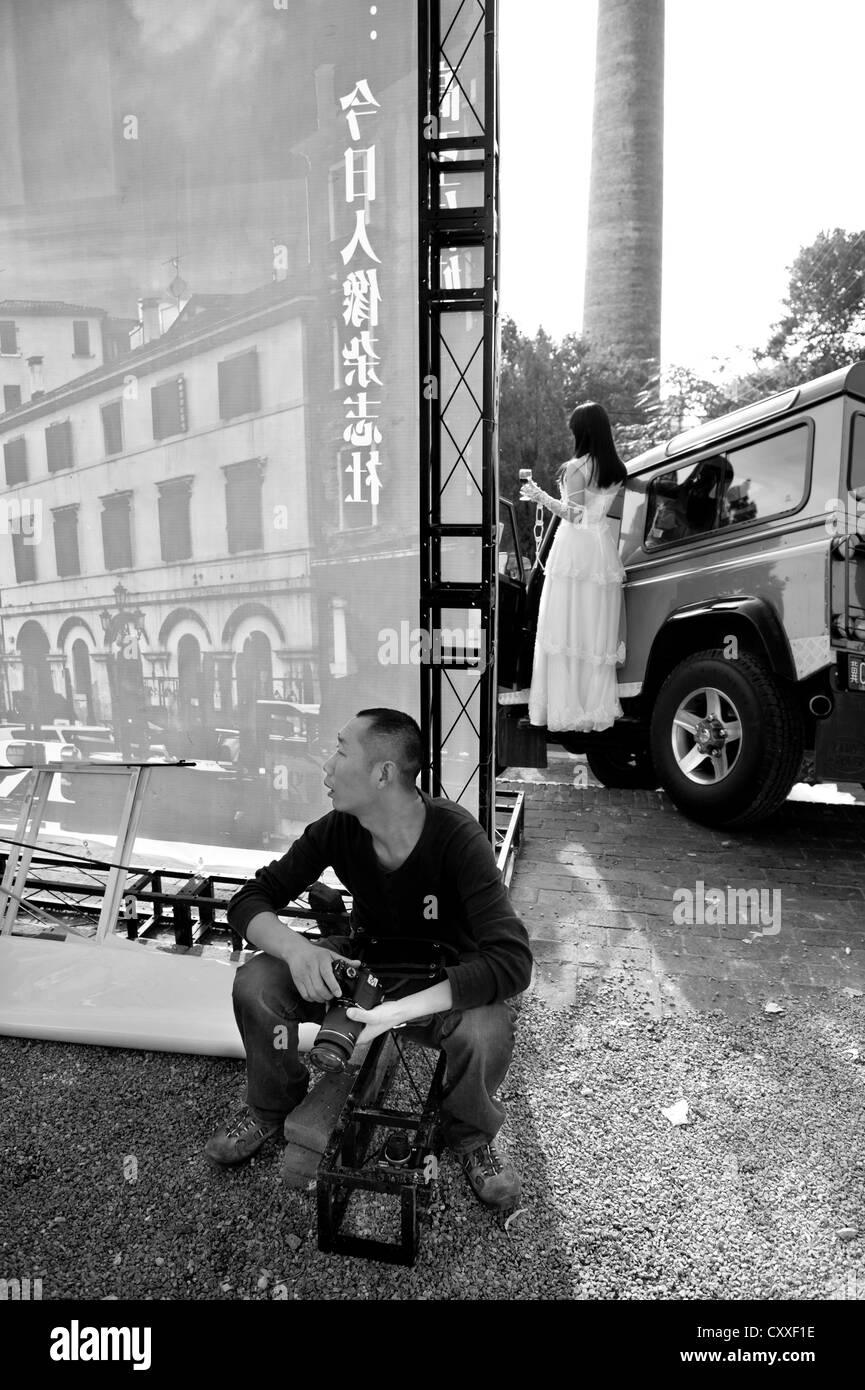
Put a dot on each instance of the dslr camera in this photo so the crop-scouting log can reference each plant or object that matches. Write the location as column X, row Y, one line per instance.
column 335, row 1040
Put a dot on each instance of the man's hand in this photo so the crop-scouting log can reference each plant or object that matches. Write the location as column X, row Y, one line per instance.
column 377, row 1020
column 312, row 971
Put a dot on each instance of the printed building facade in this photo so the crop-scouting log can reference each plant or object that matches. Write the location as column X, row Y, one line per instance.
column 179, row 472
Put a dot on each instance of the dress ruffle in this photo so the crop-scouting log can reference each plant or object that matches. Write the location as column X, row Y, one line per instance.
column 578, row 653
column 569, row 721
column 573, row 718
column 612, row 576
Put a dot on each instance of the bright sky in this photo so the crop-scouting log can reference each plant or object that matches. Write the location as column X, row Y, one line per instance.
column 763, row 109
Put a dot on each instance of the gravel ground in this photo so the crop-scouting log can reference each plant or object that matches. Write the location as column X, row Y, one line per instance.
column 761, row 1194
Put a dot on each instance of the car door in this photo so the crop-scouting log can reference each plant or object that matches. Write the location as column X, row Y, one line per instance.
column 512, row 609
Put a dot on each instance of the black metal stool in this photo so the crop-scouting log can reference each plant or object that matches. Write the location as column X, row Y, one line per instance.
column 351, row 1162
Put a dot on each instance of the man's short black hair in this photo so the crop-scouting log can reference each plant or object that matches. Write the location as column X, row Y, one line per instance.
column 395, row 737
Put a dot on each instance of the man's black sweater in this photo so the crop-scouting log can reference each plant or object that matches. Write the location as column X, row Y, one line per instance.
column 448, row 888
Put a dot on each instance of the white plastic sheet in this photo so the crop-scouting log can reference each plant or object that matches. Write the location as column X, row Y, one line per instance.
column 119, row 994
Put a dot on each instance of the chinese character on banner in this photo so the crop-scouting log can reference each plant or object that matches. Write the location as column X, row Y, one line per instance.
column 360, row 102
column 364, row 474
column 360, row 175
column 364, row 433
column 360, row 303
column 361, row 299
column 448, row 189
column 449, row 94
column 360, row 239
column 360, row 356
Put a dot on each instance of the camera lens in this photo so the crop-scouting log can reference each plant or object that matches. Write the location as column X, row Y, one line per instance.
column 328, row 1057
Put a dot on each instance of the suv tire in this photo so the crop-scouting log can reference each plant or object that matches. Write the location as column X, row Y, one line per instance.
column 624, row 768
column 706, row 697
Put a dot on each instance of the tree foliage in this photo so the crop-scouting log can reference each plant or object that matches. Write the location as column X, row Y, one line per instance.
column 541, row 380
column 824, row 327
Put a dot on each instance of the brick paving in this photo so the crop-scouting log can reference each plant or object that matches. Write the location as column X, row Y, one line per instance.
column 597, row 879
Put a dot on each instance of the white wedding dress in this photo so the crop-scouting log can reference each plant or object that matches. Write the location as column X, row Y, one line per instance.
column 579, row 637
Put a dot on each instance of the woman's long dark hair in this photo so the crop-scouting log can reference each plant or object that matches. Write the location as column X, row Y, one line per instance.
column 593, row 437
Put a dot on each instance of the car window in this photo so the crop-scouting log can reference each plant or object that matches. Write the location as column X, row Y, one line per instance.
column 857, row 454
column 685, row 501
column 755, row 481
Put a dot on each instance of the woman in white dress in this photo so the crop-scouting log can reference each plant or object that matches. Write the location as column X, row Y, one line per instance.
column 579, row 637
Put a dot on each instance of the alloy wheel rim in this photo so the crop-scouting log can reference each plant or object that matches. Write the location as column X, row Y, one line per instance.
column 706, row 736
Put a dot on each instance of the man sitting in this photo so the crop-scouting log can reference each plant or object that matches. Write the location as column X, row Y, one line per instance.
column 416, row 866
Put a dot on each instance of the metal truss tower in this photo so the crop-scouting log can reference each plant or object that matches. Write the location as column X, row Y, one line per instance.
column 458, row 299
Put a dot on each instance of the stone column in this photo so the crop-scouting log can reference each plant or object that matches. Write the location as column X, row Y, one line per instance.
column 623, row 265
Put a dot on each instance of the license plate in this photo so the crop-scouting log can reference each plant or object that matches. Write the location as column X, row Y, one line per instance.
column 855, row 672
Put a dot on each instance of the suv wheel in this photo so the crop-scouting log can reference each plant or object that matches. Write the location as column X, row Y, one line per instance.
column 623, row 768
column 726, row 739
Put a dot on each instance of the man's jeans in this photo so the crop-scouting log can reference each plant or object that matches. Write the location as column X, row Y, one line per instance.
column 478, row 1044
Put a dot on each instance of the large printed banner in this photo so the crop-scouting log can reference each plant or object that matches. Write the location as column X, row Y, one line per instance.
column 208, row 363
